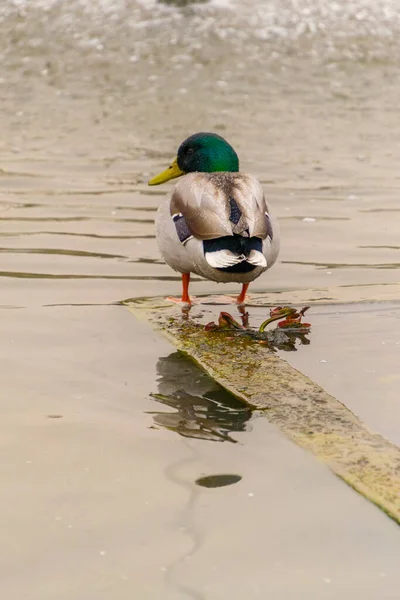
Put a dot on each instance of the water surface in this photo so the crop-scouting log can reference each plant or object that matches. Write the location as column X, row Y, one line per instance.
column 95, row 98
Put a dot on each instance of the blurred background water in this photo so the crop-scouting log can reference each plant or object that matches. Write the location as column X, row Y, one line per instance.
column 96, row 95
column 163, row 67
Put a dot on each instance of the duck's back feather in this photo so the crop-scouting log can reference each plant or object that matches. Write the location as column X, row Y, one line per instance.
column 215, row 205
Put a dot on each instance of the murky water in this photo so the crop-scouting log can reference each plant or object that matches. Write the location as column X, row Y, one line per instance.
column 95, row 97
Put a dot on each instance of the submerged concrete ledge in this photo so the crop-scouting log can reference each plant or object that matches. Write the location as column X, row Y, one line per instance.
column 301, row 409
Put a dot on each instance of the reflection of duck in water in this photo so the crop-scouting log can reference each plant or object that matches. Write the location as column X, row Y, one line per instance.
column 176, row 371
column 216, row 223
column 210, row 415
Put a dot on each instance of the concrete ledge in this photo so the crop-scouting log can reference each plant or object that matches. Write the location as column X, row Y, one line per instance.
column 301, row 409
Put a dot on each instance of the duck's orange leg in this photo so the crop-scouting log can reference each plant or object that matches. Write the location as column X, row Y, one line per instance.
column 185, row 288
column 185, row 291
column 241, row 299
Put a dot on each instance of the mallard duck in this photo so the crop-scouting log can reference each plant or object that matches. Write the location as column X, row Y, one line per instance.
column 216, row 222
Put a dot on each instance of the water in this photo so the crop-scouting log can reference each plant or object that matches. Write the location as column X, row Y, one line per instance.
column 98, row 95
column 201, row 409
column 95, row 98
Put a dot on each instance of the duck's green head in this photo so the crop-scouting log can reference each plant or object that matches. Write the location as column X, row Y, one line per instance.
column 201, row 152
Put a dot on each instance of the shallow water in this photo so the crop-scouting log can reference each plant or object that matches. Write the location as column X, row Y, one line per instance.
column 95, row 97
column 98, row 504
column 98, row 95
column 352, row 351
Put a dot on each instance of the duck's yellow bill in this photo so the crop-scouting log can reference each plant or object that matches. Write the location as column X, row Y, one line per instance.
column 171, row 173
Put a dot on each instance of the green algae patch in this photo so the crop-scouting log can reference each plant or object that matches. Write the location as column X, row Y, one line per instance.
column 300, row 408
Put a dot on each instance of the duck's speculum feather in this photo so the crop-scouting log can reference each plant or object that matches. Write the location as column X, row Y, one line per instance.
column 182, row 228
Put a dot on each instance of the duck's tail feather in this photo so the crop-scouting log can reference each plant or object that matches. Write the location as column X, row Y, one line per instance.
column 235, row 253
column 220, row 259
column 257, row 259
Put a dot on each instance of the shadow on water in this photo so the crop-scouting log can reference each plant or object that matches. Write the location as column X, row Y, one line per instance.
column 202, row 409
column 216, row 481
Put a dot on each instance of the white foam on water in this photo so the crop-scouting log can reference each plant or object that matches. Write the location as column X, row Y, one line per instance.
column 348, row 29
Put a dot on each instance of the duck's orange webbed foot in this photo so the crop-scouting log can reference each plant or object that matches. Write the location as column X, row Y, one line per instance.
column 185, row 300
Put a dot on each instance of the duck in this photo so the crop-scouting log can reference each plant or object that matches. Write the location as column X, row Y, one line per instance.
column 216, row 222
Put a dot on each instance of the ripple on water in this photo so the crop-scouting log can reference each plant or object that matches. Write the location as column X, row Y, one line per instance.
column 76, row 234
column 27, row 275
column 343, row 265
column 76, row 219
column 60, row 252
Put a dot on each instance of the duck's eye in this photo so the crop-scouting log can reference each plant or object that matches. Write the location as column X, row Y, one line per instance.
column 189, row 151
